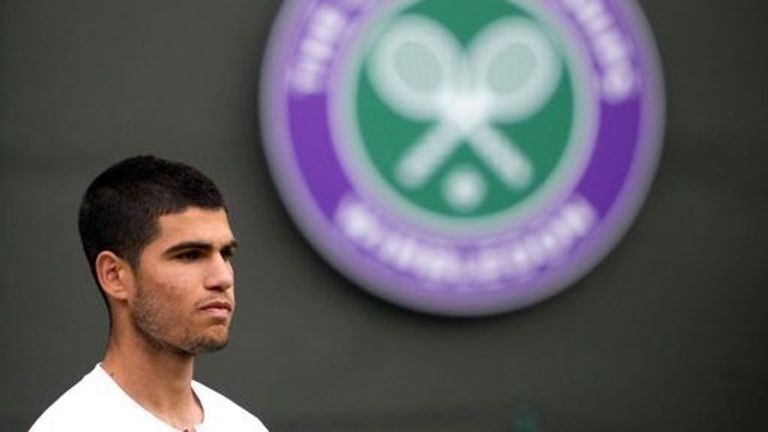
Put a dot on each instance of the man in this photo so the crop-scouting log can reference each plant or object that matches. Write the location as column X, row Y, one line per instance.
column 158, row 241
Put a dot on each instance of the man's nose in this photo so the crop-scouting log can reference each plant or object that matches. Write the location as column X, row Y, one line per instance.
column 221, row 275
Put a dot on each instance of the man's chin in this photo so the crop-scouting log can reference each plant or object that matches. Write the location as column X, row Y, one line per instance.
column 207, row 346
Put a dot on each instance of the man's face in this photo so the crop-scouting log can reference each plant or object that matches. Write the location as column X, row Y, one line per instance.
column 184, row 295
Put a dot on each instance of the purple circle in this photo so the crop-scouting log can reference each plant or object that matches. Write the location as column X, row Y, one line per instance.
column 298, row 84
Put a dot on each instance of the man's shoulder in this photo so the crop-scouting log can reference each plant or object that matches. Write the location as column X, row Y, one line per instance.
column 73, row 406
column 95, row 403
column 220, row 411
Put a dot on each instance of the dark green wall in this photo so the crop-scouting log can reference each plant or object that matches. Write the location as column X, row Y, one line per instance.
column 668, row 333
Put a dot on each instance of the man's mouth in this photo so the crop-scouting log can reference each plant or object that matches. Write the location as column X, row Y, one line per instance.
column 218, row 308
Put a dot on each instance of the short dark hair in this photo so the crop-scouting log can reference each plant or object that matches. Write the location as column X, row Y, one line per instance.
column 120, row 208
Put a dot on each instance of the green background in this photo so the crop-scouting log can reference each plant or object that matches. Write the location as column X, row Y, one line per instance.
column 386, row 135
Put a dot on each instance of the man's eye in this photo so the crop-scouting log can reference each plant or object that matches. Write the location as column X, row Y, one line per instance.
column 189, row 255
column 227, row 254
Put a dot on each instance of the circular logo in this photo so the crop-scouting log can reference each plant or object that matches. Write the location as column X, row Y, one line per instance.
column 462, row 158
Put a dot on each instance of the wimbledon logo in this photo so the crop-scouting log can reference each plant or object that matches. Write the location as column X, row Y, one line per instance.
column 462, row 158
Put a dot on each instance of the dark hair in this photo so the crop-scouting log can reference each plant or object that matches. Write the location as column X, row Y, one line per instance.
column 120, row 208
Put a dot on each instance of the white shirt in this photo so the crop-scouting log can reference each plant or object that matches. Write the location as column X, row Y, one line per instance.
column 98, row 404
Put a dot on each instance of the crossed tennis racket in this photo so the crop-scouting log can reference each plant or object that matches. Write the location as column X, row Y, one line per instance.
column 506, row 74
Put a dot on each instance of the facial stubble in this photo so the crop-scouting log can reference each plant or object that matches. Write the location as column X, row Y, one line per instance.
column 158, row 329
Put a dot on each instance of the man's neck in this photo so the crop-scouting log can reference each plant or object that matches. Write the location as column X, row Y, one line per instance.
column 159, row 380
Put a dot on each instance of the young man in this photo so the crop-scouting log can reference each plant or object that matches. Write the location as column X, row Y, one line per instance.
column 157, row 238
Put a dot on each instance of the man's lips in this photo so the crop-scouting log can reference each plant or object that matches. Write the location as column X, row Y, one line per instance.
column 218, row 307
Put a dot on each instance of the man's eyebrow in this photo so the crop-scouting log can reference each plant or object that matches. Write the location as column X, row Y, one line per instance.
column 197, row 245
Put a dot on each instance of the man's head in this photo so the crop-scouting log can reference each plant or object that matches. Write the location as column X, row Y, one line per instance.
column 158, row 241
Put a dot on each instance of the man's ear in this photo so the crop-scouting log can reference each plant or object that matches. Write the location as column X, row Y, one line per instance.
column 115, row 275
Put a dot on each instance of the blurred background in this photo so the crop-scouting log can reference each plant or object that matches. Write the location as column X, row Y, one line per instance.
column 667, row 334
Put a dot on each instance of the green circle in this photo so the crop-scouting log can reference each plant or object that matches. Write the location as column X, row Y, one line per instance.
column 387, row 134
